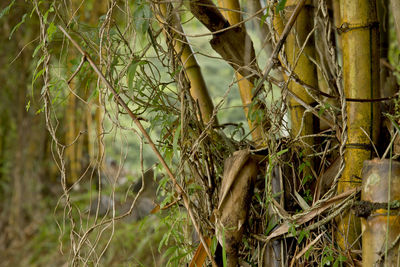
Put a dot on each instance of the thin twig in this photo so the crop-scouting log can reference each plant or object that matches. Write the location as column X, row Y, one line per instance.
column 77, row 70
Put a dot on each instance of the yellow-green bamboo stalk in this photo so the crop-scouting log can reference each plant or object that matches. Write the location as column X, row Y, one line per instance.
column 231, row 11
column 70, row 136
column 381, row 184
column 395, row 4
column 198, row 88
column 74, row 121
column 98, row 10
column 304, row 68
column 360, row 42
column 336, row 22
column 301, row 124
column 99, row 115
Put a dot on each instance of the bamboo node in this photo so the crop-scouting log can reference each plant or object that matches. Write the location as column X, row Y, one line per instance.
column 359, row 146
column 346, row 27
column 366, row 208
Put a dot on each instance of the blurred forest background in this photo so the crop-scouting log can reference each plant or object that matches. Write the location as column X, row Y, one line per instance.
column 71, row 161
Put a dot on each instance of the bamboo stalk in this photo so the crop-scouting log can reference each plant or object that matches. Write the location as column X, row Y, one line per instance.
column 336, row 22
column 381, row 228
column 395, row 4
column 302, row 124
column 198, row 88
column 254, row 8
column 70, row 136
column 304, row 69
column 99, row 115
column 361, row 80
column 231, row 12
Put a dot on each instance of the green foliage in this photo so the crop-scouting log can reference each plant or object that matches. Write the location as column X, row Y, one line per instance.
column 328, row 258
column 141, row 16
column 16, row 27
column 7, row 9
column 263, row 19
column 303, row 234
column 280, row 6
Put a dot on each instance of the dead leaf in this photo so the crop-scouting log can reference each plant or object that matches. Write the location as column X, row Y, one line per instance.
column 284, row 228
column 200, row 256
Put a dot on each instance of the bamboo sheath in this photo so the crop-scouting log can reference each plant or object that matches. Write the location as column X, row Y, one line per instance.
column 360, row 42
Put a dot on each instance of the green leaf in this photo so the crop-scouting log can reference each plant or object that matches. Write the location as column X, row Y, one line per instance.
column 321, row 111
column 224, row 260
column 17, row 26
column 6, row 10
column 306, row 179
column 263, row 18
column 50, row 31
column 301, row 167
column 308, row 252
column 170, row 251
column 132, row 72
column 292, row 229
column 258, row 197
column 214, row 244
column 302, row 234
column 37, row 49
column 176, row 138
column 141, row 16
column 51, row 9
column 28, row 105
column 271, row 225
column 282, row 152
column 280, row 6
column 38, row 75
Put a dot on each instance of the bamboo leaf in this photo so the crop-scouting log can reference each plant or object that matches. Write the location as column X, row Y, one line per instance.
column 224, row 260
column 132, row 72
column 17, row 26
column 50, row 31
column 280, row 6
column 6, row 10
column 176, row 138
column 263, row 18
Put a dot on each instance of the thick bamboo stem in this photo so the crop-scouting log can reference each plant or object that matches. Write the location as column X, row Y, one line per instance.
column 198, row 88
column 381, row 227
column 395, row 4
column 361, row 80
column 254, row 7
column 305, row 69
column 231, row 11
